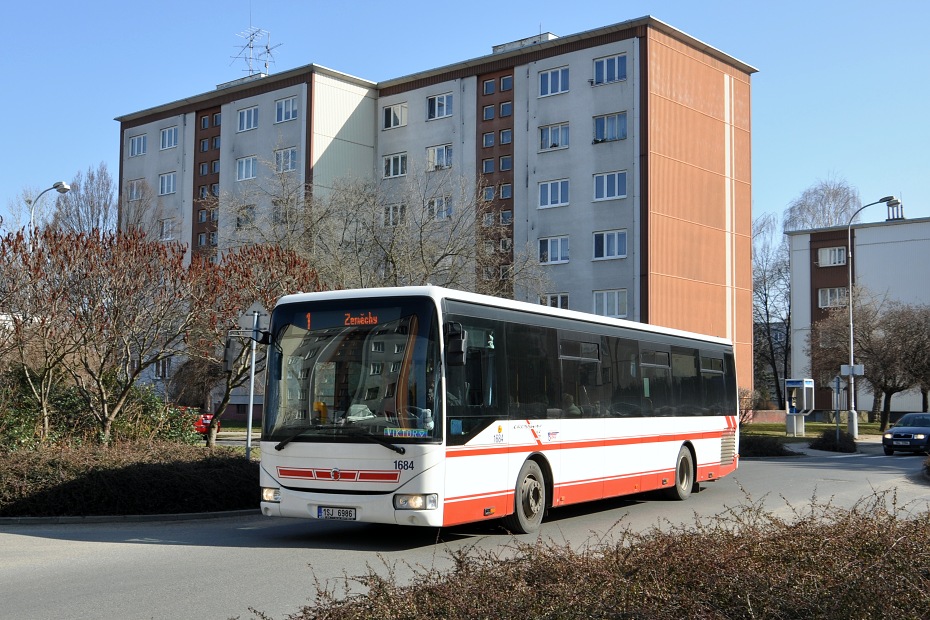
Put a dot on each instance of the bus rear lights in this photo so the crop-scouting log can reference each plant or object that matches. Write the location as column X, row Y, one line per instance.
column 271, row 494
column 416, row 502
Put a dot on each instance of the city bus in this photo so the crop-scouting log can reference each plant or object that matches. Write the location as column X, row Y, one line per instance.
column 425, row 406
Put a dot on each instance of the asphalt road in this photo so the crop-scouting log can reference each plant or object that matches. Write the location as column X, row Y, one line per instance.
column 218, row 568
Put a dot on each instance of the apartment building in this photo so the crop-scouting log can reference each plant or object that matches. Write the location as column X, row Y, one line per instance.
column 889, row 261
column 619, row 156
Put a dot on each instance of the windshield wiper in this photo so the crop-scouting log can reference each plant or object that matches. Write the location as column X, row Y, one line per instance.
column 374, row 438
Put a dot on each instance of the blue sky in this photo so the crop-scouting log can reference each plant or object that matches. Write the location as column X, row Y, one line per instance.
column 842, row 87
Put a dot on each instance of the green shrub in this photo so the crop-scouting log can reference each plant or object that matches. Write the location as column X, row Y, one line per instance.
column 762, row 445
column 828, row 441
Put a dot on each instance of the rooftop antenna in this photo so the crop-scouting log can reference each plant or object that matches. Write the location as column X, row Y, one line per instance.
column 248, row 53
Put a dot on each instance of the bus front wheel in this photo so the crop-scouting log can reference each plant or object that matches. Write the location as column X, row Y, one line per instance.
column 529, row 500
column 684, row 476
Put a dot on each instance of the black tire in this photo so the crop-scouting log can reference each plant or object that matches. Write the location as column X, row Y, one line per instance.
column 684, row 476
column 529, row 500
column 888, row 451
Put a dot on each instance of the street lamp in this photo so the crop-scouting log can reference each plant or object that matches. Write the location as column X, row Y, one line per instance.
column 60, row 186
column 853, row 424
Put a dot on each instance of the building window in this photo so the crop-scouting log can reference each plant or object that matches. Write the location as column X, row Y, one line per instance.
column 166, row 229
column 553, row 82
column 217, row 118
column 506, row 217
column 285, row 160
column 395, row 165
column 246, row 168
column 216, row 142
column 202, row 237
column 506, row 109
column 553, row 193
column 506, row 244
column 216, row 166
column 610, row 303
column 831, row 297
column 202, row 216
column 135, row 189
column 395, row 116
column 506, row 272
column 487, row 139
column 553, row 137
column 506, row 163
column 394, row 214
column 488, row 87
column 610, row 127
column 831, row 257
column 163, row 368
column 489, row 247
column 610, row 244
column 204, row 122
column 489, row 193
column 439, row 208
column 610, row 185
column 487, row 166
column 506, row 191
column 555, row 300
column 167, row 183
column 214, row 213
column 487, row 112
column 489, row 219
column 284, row 110
column 438, row 157
column 205, row 145
column 506, row 136
column 202, row 192
column 169, row 138
column 610, row 69
column 506, row 83
column 377, row 346
column 553, row 250
column 245, row 217
column 137, row 146
column 215, row 190
column 439, row 106
column 248, row 118
column 204, row 169
column 213, row 238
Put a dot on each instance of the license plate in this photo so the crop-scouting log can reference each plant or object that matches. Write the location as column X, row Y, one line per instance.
column 902, row 443
column 331, row 512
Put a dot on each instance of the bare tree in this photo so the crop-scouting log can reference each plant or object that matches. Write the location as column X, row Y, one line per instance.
column 90, row 205
column 771, row 293
column 918, row 354
column 828, row 202
column 140, row 210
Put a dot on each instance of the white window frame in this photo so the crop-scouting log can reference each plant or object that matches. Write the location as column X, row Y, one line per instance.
column 603, row 132
column 285, row 160
column 169, row 138
column 394, row 215
column 506, row 83
column 394, row 116
column 545, row 193
column 508, row 193
column 611, row 242
column 609, row 69
column 487, row 139
column 487, row 113
column 506, row 244
column 135, row 189
column 832, row 297
column 556, row 250
column 248, row 118
column 831, row 257
column 137, row 145
column 487, row 165
column 489, row 193
column 612, row 299
column 506, row 136
column 246, row 168
column 607, row 184
column 201, row 237
column 285, row 109
column 553, row 137
column 439, row 209
column 166, row 229
column 162, row 368
column 167, row 183
column 561, row 79
column 505, row 163
column 395, row 165
column 202, row 215
column 506, row 109
column 439, row 106
column 554, row 300
column 488, row 87
column 506, row 217
column 439, row 157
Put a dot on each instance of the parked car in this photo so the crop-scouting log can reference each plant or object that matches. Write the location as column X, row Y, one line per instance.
column 911, row 433
column 201, row 420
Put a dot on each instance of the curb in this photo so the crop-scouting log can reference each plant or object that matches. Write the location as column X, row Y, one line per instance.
column 192, row 516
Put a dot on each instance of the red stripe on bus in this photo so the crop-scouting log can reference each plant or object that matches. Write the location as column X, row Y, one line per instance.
column 330, row 475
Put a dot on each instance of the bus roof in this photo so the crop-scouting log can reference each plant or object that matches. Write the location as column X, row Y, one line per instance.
column 438, row 293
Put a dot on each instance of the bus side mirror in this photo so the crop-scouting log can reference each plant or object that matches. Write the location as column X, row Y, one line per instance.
column 456, row 340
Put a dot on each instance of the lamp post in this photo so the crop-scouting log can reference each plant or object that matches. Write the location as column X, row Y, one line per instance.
column 853, row 424
column 61, row 187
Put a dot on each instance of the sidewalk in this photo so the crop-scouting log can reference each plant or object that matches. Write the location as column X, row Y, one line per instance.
column 866, row 444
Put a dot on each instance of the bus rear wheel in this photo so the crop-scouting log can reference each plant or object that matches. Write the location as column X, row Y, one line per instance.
column 684, row 476
column 529, row 500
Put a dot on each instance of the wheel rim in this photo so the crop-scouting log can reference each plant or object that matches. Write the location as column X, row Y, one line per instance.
column 684, row 474
column 531, row 496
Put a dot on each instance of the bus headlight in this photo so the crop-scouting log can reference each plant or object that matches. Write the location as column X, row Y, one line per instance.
column 270, row 494
column 416, row 502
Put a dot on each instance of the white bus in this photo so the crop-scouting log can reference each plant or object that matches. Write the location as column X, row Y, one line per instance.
column 433, row 407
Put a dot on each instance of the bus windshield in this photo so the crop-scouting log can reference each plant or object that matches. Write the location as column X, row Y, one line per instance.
column 353, row 371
